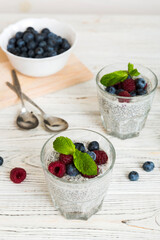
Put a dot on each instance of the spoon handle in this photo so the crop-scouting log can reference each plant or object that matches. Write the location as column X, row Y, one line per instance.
column 17, row 86
column 24, row 96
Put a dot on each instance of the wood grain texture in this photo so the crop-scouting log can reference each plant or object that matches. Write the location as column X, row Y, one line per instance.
column 131, row 210
column 73, row 73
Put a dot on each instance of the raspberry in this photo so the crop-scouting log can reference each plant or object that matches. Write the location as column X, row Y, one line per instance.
column 17, row 175
column 65, row 159
column 101, row 157
column 124, row 94
column 146, row 86
column 91, row 176
column 57, row 168
column 129, row 85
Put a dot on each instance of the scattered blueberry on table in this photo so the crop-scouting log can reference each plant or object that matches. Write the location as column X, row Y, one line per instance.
column 133, row 176
column 34, row 44
column 148, row 166
column 1, row 161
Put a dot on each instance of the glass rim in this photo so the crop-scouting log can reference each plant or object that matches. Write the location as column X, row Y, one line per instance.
column 121, row 97
column 88, row 180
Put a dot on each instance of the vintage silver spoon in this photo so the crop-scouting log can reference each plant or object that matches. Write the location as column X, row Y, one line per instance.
column 51, row 123
column 25, row 119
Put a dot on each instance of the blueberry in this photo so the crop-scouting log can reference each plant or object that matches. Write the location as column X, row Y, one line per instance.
column 39, row 37
column 1, row 161
column 12, row 40
column 31, row 45
column 111, row 90
column 65, row 44
column 17, row 51
column 93, row 146
column 148, row 166
column 61, row 50
column 129, row 77
column 31, row 53
column 141, row 92
column 92, row 155
column 19, row 35
column 71, row 170
column 42, row 44
column 24, row 49
column 45, row 30
column 49, row 49
column 140, row 83
column 45, row 54
column 59, row 40
column 30, row 29
column 51, row 43
column 39, row 51
column 52, row 36
column 80, row 146
column 119, row 90
column 51, row 54
column 28, row 37
column 20, row 43
column 10, row 47
column 24, row 54
column 133, row 94
column 133, row 176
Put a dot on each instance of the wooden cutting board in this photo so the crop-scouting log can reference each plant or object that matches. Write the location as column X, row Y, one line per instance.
column 74, row 72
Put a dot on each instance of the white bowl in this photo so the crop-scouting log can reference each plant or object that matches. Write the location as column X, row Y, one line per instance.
column 42, row 66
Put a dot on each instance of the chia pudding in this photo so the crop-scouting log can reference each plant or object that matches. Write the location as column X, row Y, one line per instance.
column 123, row 114
column 79, row 196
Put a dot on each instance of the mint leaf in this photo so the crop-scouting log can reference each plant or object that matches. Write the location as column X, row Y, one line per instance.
column 130, row 67
column 64, row 145
column 113, row 78
column 134, row 72
column 84, row 163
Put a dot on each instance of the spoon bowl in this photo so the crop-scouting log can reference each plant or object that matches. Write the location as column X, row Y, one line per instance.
column 27, row 120
column 54, row 124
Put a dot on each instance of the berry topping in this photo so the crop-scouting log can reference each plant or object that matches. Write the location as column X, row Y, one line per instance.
column 80, row 146
column 124, row 94
column 92, row 155
column 119, row 90
column 133, row 93
column 71, row 170
column 57, row 168
column 111, row 90
column 129, row 85
column 148, row 166
column 101, row 157
column 140, row 83
column 141, row 92
column 1, row 161
column 17, row 175
column 118, row 86
column 65, row 159
column 93, row 146
column 133, row 176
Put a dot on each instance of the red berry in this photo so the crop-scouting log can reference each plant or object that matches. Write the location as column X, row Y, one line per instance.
column 91, row 176
column 118, row 86
column 129, row 85
column 146, row 86
column 124, row 94
column 17, row 175
column 101, row 157
column 66, row 159
column 57, row 168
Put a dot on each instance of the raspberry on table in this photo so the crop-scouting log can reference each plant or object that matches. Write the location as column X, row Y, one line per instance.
column 129, row 85
column 66, row 159
column 17, row 175
column 57, row 168
column 101, row 157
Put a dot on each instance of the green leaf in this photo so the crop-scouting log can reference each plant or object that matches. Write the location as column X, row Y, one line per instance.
column 64, row 145
column 130, row 67
column 134, row 72
column 84, row 163
column 113, row 78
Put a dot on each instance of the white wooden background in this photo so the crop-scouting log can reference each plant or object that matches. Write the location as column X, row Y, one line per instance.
column 132, row 209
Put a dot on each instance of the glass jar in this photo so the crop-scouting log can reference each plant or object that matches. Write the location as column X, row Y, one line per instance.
column 124, row 117
column 74, row 199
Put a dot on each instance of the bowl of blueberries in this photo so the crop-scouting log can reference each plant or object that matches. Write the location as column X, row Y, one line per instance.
column 38, row 47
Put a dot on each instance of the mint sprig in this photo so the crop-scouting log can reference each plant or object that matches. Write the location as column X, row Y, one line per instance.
column 113, row 78
column 82, row 161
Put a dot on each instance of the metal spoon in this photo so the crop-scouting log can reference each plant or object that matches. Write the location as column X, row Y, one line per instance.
column 51, row 123
column 25, row 119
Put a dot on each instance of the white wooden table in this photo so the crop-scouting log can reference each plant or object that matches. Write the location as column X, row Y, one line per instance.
column 132, row 209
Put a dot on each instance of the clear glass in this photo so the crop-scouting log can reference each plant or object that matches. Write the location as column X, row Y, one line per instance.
column 120, row 118
column 78, row 200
